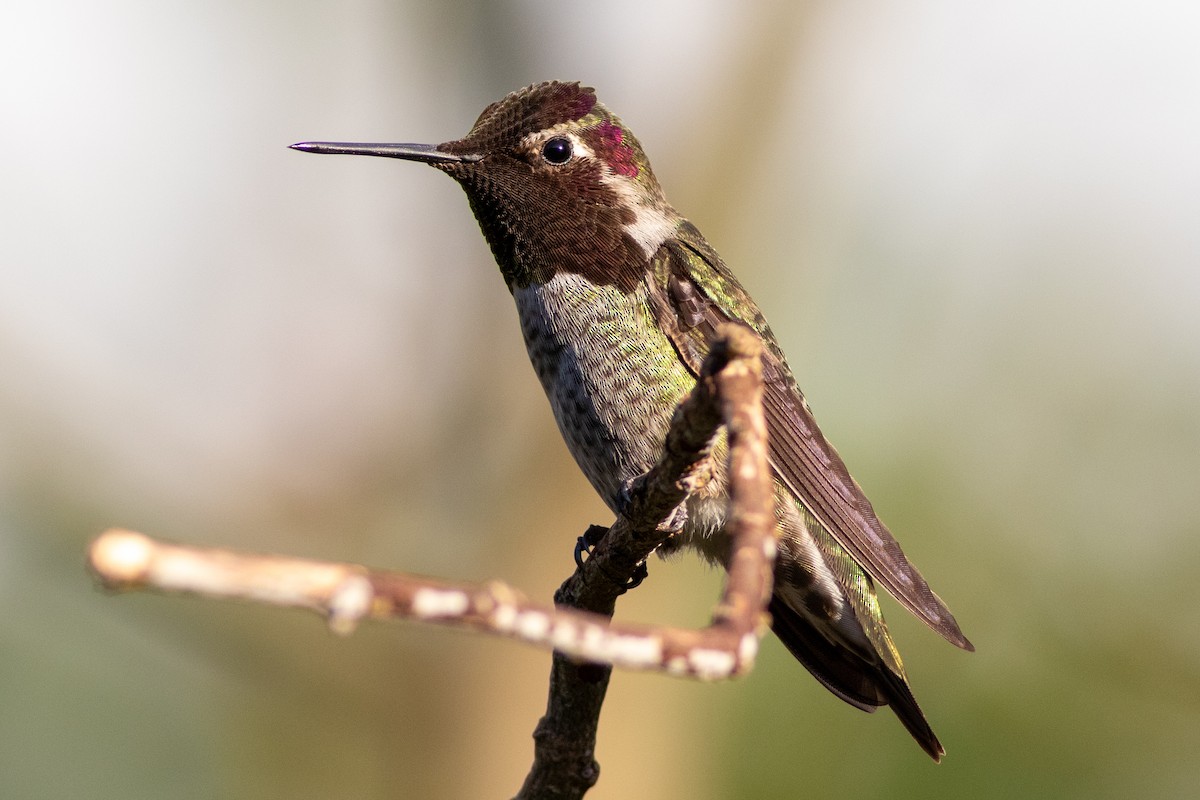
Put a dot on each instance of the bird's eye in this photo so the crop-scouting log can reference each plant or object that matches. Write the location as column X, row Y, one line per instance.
column 557, row 151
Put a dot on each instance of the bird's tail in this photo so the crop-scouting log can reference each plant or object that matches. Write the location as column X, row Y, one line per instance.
column 860, row 682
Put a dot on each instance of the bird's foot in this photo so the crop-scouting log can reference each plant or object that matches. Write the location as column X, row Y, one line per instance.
column 586, row 543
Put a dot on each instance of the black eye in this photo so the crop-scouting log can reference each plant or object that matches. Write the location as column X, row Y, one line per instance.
column 557, row 151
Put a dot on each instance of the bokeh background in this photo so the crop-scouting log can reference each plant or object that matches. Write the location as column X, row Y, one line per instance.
column 975, row 227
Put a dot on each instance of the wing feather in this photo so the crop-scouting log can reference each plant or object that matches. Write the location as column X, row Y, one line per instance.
column 693, row 292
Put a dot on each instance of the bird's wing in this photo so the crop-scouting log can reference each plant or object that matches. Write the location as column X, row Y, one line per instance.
column 693, row 292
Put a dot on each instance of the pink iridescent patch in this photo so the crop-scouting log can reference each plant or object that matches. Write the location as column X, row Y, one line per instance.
column 609, row 141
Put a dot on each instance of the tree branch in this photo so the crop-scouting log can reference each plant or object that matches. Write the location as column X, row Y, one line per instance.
column 729, row 390
column 579, row 627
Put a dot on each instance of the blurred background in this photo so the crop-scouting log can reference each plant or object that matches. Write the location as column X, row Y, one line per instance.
column 974, row 227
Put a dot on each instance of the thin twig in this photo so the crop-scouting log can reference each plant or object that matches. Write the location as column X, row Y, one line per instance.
column 347, row 594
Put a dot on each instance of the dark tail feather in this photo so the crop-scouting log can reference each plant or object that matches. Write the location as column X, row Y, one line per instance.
column 848, row 675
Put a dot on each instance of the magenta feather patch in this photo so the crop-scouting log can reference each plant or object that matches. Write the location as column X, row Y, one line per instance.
column 608, row 140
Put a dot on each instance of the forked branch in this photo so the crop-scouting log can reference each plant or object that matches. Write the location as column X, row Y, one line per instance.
column 579, row 626
column 729, row 390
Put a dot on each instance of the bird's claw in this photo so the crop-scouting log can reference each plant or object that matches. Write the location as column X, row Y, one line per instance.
column 625, row 495
column 586, row 543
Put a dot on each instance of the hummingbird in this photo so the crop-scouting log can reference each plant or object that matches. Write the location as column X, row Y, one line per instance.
column 619, row 297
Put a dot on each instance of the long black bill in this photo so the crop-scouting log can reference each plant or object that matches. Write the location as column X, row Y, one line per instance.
column 410, row 152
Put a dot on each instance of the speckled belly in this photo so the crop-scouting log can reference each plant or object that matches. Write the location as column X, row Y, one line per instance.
column 612, row 377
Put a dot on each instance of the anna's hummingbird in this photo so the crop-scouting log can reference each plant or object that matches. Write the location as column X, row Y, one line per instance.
column 618, row 297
